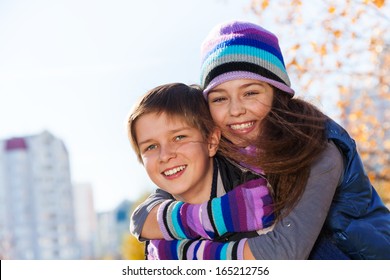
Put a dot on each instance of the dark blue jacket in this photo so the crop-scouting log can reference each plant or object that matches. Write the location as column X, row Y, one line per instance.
column 358, row 221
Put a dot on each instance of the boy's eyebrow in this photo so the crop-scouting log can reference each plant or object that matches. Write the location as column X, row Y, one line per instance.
column 173, row 131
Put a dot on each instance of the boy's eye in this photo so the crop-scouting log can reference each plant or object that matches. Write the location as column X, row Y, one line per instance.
column 150, row 147
column 180, row 137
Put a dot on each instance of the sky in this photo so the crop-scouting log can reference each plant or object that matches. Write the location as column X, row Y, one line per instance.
column 76, row 67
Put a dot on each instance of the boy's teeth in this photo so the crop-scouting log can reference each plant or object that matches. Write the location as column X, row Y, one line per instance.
column 242, row 125
column 174, row 170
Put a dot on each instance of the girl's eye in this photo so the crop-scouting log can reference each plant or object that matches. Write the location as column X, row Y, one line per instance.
column 250, row 93
column 218, row 99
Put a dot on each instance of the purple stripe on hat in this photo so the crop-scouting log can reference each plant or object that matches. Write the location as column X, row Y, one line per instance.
column 235, row 27
column 237, row 75
column 242, row 29
column 266, row 36
column 240, row 26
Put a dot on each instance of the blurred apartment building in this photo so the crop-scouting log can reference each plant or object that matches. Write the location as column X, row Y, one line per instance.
column 44, row 216
column 85, row 220
column 37, row 218
column 112, row 230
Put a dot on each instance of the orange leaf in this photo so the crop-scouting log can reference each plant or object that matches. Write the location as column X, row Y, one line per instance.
column 323, row 50
column 379, row 3
column 264, row 4
column 296, row 2
column 337, row 33
column 314, row 45
column 296, row 46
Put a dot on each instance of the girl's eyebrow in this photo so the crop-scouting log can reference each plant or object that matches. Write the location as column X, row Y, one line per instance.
column 216, row 90
column 257, row 83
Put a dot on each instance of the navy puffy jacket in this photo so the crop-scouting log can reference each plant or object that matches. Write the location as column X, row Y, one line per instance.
column 358, row 220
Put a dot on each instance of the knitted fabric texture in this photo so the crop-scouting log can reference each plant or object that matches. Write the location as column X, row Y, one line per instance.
column 242, row 50
column 248, row 207
column 195, row 250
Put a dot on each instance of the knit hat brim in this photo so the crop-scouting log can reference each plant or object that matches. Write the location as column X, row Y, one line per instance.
column 236, row 75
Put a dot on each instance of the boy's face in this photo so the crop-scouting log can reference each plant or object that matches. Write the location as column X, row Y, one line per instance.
column 176, row 157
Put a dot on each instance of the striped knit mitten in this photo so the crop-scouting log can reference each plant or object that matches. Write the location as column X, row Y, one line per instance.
column 195, row 250
column 246, row 208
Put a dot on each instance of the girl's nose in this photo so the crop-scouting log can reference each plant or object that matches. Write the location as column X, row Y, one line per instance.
column 236, row 108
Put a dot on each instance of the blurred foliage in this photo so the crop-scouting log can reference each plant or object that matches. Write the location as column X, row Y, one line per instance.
column 339, row 52
column 383, row 188
column 132, row 249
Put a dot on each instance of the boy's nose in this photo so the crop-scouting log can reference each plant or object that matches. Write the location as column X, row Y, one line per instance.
column 167, row 152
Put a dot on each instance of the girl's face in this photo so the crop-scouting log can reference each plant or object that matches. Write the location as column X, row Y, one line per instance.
column 239, row 106
column 176, row 156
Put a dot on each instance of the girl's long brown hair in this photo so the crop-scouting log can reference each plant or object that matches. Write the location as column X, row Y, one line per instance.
column 292, row 137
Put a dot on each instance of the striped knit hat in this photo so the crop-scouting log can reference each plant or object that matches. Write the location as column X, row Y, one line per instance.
column 242, row 50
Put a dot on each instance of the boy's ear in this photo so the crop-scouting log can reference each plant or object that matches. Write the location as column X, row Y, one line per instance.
column 213, row 142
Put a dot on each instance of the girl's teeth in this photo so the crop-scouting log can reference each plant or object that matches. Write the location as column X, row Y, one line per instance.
column 242, row 125
column 174, row 170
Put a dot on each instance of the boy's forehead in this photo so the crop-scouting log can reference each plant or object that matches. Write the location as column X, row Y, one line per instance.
column 162, row 121
column 169, row 117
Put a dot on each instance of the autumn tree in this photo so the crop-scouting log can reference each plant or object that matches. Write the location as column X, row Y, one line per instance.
column 338, row 53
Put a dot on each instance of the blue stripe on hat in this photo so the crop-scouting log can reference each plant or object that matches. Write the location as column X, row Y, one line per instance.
column 248, row 42
column 245, row 51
